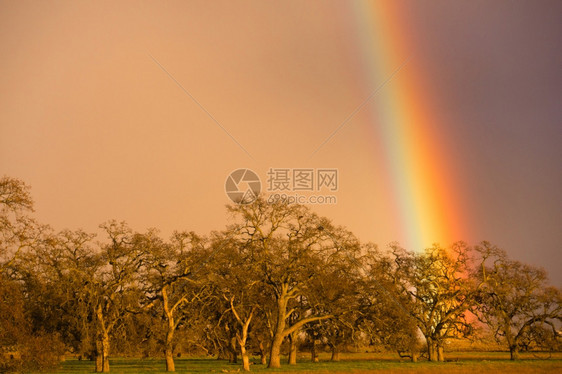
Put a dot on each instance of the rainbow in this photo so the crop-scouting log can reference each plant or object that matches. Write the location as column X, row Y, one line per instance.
column 415, row 155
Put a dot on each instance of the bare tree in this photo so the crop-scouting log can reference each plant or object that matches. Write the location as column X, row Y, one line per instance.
column 382, row 312
column 514, row 298
column 66, row 265
column 337, row 290
column 18, row 230
column 438, row 292
column 169, row 281
column 113, row 289
column 291, row 247
column 236, row 279
column 23, row 318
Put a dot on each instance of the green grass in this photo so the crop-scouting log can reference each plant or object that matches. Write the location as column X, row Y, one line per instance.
column 358, row 363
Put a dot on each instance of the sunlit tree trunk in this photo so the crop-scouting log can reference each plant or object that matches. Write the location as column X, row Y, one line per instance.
column 245, row 358
column 242, row 342
column 105, row 345
column 281, row 330
column 169, row 352
column 242, row 337
column 275, row 352
column 99, row 356
column 170, row 327
column 293, row 349
column 102, row 353
column 313, row 352
column 440, row 353
column 263, row 357
column 431, row 349
column 102, row 342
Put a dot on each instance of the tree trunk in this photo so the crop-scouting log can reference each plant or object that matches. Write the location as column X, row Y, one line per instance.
column 102, row 343
column 292, row 349
column 170, row 365
column 313, row 353
column 102, row 354
column 263, row 358
column 170, row 328
column 233, row 353
column 242, row 340
column 440, row 354
column 245, row 358
column 414, row 355
column 514, row 352
column 275, row 352
column 279, row 331
column 99, row 356
column 335, row 353
column 105, row 345
column 431, row 350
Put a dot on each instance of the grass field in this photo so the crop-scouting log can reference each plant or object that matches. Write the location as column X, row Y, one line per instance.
column 459, row 362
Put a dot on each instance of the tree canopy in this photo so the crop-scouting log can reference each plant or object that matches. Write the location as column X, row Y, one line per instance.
column 279, row 278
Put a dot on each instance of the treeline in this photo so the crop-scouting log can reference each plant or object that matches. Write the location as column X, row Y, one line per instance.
column 277, row 279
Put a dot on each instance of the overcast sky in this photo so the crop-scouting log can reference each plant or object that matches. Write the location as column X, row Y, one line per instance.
column 93, row 117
